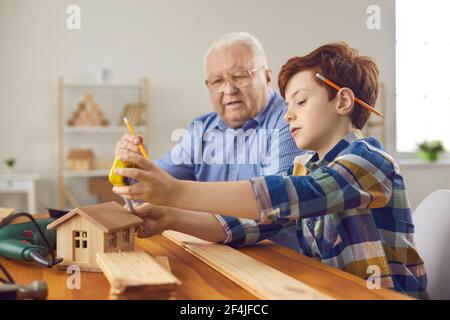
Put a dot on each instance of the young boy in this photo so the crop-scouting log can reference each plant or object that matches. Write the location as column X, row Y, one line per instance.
column 348, row 199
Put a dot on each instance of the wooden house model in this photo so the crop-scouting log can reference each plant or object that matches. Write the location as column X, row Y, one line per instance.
column 99, row 228
column 81, row 159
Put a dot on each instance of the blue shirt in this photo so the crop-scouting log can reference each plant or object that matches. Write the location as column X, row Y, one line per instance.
column 212, row 151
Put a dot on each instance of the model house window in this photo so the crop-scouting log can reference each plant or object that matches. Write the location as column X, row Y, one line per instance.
column 84, row 240
column 80, row 239
column 422, row 51
column 113, row 240
column 126, row 236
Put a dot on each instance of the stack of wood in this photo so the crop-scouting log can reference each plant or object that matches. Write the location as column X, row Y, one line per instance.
column 135, row 114
column 81, row 160
column 88, row 114
column 137, row 276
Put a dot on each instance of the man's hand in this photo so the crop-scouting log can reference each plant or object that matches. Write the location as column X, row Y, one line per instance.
column 128, row 143
column 154, row 186
column 156, row 219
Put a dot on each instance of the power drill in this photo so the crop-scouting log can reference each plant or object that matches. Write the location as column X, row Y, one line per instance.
column 22, row 241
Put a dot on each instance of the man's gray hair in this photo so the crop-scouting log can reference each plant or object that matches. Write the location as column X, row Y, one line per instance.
column 232, row 38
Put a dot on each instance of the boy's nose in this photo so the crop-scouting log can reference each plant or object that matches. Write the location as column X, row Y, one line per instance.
column 289, row 116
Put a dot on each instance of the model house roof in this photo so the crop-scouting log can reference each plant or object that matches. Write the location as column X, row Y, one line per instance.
column 108, row 216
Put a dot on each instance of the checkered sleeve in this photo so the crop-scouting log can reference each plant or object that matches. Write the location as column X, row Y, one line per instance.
column 243, row 232
column 360, row 178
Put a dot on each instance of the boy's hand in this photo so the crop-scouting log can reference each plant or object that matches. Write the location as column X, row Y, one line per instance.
column 154, row 186
column 128, row 143
column 156, row 219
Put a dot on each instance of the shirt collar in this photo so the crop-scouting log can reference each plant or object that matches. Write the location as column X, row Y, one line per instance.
column 258, row 118
column 311, row 160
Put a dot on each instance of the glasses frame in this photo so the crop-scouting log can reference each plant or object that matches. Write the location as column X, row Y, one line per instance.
column 250, row 73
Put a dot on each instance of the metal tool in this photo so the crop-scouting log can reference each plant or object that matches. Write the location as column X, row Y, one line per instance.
column 36, row 290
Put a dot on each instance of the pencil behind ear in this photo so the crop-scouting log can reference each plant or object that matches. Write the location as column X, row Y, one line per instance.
column 346, row 101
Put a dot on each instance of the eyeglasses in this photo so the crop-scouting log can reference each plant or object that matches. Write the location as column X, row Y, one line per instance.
column 238, row 80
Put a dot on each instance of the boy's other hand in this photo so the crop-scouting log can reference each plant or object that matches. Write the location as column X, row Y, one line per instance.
column 157, row 219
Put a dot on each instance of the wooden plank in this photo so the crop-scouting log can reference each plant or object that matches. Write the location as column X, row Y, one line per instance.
column 258, row 278
column 4, row 212
column 200, row 281
column 330, row 280
column 164, row 262
column 136, row 275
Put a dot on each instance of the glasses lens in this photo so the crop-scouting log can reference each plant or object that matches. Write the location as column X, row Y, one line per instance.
column 215, row 85
column 237, row 80
column 240, row 79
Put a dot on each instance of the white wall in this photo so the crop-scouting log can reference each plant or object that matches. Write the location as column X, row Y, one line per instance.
column 165, row 41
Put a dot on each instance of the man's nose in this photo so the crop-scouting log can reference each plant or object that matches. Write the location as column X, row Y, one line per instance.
column 229, row 88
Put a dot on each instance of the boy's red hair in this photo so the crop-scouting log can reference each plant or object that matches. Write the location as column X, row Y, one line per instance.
column 344, row 66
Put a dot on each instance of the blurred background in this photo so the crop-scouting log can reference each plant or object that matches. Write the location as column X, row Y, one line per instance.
column 65, row 82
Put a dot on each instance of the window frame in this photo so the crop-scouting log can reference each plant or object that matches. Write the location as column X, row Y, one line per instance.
column 127, row 236
column 112, row 240
column 80, row 239
column 408, row 158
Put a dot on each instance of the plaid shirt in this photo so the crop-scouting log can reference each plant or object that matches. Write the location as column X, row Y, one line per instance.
column 351, row 212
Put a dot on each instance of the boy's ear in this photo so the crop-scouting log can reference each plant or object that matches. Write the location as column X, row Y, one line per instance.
column 346, row 100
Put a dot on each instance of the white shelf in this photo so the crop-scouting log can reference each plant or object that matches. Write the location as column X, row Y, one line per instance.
column 19, row 176
column 90, row 173
column 120, row 129
column 72, row 136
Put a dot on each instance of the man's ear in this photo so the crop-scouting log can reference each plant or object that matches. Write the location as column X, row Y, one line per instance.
column 346, row 101
column 268, row 74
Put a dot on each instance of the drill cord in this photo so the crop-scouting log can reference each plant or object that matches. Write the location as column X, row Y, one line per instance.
column 8, row 276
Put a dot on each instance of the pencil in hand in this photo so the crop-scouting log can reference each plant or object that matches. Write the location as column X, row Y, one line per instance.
column 140, row 146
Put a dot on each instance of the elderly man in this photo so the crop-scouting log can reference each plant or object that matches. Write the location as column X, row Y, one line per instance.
column 246, row 135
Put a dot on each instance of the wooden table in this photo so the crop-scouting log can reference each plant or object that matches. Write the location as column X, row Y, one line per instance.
column 199, row 281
